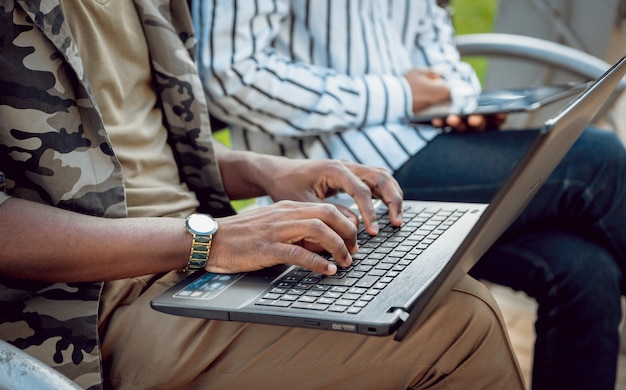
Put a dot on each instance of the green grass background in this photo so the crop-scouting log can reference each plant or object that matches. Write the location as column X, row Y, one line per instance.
column 471, row 17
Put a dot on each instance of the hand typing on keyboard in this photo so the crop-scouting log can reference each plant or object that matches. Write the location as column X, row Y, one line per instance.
column 378, row 262
column 289, row 232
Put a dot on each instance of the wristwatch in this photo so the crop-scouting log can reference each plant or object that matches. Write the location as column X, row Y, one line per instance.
column 202, row 227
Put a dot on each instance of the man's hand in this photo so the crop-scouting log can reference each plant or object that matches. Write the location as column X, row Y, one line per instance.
column 285, row 232
column 315, row 180
column 427, row 88
column 471, row 122
column 301, row 223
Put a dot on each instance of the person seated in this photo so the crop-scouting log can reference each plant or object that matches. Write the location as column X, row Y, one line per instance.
column 338, row 79
column 105, row 148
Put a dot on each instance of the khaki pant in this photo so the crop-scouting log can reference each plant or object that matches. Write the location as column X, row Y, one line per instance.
column 463, row 345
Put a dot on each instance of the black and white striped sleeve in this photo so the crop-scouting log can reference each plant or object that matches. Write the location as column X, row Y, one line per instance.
column 431, row 43
column 250, row 84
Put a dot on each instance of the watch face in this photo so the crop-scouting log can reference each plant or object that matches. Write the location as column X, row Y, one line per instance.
column 201, row 224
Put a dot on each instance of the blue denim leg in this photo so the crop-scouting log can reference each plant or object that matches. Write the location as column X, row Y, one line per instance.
column 587, row 189
column 584, row 204
column 576, row 283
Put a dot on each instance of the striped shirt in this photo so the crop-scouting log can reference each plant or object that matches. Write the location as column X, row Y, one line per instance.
column 323, row 78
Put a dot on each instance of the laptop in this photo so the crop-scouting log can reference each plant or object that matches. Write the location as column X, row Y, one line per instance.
column 400, row 276
column 509, row 100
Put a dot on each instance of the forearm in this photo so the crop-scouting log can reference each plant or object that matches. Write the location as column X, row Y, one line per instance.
column 245, row 174
column 44, row 243
column 256, row 88
column 434, row 47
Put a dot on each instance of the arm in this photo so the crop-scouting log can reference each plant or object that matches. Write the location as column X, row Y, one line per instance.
column 44, row 243
column 40, row 242
column 252, row 85
column 434, row 48
column 248, row 174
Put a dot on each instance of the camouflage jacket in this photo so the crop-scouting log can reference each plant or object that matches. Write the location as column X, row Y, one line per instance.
column 54, row 150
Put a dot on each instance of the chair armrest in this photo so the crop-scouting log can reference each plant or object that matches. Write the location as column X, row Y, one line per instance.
column 18, row 370
column 533, row 49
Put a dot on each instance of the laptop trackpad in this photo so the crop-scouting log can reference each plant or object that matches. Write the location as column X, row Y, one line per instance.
column 209, row 286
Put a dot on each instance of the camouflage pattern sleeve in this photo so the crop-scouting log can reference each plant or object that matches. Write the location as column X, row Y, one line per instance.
column 49, row 132
column 184, row 102
column 54, row 150
column 50, row 129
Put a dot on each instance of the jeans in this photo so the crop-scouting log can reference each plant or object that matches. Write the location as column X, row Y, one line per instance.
column 567, row 249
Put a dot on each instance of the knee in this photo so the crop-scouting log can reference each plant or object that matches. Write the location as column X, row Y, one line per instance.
column 601, row 138
column 468, row 313
column 592, row 269
column 591, row 283
column 597, row 144
column 471, row 301
column 469, row 305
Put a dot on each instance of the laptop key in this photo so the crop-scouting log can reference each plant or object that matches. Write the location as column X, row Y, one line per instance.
column 379, row 260
column 347, row 282
column 337, row 309
column 310, row 306
column 366, row 281
column 269, row 302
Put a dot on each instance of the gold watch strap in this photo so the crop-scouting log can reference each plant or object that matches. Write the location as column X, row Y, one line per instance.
column 200, row 249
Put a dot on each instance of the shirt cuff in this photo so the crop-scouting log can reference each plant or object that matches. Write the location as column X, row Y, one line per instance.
column 464, row 99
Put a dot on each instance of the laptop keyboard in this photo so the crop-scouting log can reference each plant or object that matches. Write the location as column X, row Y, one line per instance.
column 380, row 259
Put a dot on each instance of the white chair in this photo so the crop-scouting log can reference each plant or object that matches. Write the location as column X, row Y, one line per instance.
column 20, row 371
column 572, row 65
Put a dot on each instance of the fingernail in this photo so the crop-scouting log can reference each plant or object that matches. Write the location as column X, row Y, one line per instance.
column 375, row 226
column 349, row 259
column 332, row 268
